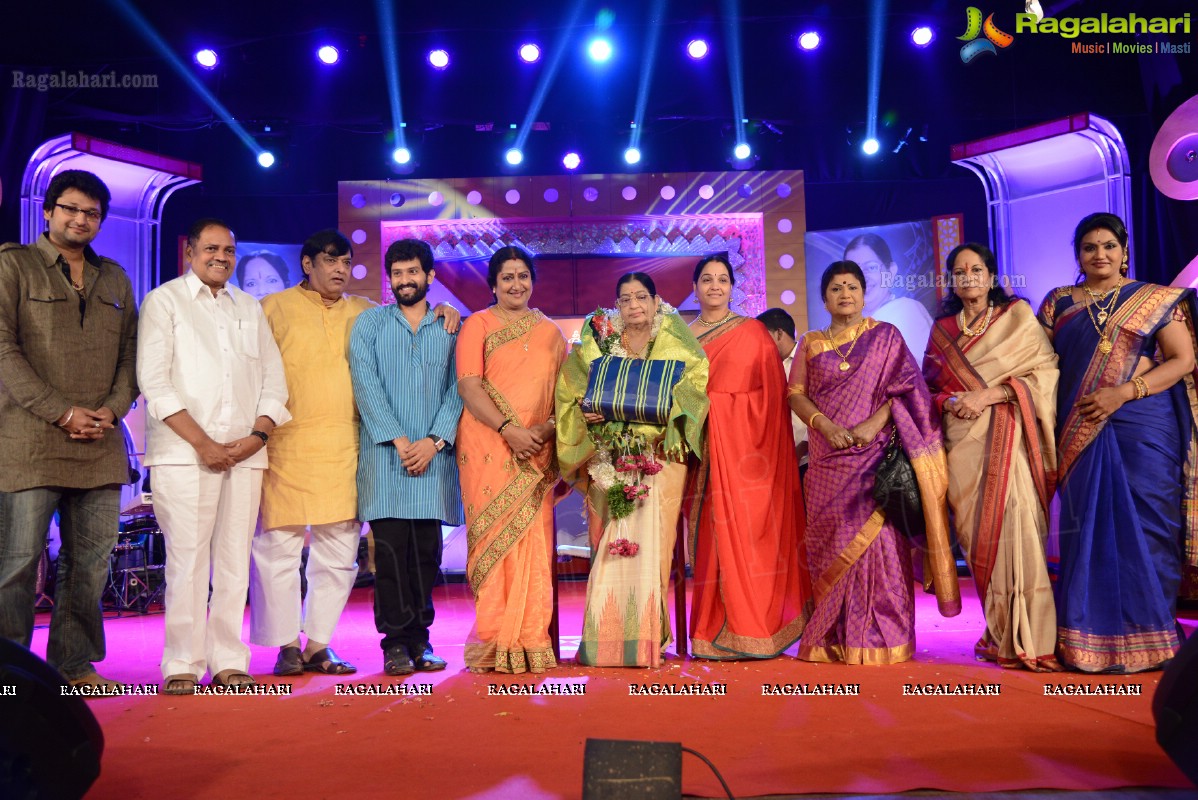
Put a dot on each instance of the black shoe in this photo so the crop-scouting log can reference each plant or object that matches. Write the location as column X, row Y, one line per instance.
column 427, row 662
column 397, row 660
column 290, row 662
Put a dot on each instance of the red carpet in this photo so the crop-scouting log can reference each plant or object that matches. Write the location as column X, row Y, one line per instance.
column 463, row 742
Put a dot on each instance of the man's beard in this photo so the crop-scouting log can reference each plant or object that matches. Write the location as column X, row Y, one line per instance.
column 421, row 292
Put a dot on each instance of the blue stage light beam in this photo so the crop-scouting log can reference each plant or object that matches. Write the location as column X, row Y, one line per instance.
column 142, row 25
column 547, row 76
column 386, row 15
column 877, row 41
column 657, row 15
column 735, row 71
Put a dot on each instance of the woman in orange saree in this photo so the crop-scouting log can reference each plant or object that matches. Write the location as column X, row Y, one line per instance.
column 752, row 593
column 508, row 358
column 993, row 376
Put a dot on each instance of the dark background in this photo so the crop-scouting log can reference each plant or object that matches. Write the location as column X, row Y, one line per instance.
column 334, row 124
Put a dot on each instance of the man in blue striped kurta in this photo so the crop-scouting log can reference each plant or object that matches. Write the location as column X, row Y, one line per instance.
column 402, row 363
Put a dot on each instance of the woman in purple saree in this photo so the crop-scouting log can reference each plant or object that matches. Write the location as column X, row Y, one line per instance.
column 854, row 384
column 1125, row 438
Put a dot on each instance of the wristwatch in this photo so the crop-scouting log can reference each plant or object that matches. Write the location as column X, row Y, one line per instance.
column 438, row 442
column 261, row 435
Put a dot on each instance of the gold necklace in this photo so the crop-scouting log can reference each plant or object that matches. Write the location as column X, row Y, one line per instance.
column 643, row 353
column 527, row 334
column 844, row 357
column 965, row 329
column 1099, row 321
column 717, row 323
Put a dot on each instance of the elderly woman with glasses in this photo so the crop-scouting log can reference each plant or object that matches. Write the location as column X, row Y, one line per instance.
column 631, row 473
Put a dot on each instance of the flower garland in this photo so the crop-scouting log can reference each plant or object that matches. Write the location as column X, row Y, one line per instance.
column 622, row 459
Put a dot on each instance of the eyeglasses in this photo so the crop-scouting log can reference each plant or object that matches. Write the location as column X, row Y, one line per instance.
column 73, row 211
column 626, row 299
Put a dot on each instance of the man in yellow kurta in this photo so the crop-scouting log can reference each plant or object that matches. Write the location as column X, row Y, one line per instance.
column 310, row 485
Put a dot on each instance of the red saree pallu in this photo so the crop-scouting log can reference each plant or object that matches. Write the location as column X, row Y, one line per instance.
column 860, row 565
column 1002, row 470
column 752, row 592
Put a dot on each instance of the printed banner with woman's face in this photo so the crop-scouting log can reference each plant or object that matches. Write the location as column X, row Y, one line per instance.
column 899, row 265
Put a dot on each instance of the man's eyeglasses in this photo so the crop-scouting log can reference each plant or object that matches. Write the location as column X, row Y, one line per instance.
column 627, row 299
column 73, row 211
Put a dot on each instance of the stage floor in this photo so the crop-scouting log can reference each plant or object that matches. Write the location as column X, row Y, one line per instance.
column 486, row 736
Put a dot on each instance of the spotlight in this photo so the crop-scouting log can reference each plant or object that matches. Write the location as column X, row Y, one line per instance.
column 266, row 159
column 328, row 54
column 530, row 53
column 401, row 155
column 809, row 40
column 632, row 155
column 571, row 160
column 870, row 146
column 513, row 157
column 742, row 151
column 599, row 49
column 922, row 36
column 438, row 58
column 697, row 49
column 207, row 58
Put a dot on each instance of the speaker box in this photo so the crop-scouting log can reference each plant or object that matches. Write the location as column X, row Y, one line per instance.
column 615, row 769
column 1175, row 709
column 50, row 745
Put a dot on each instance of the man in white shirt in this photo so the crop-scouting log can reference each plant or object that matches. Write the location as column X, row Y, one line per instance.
column 213, row 381
column 781, row 327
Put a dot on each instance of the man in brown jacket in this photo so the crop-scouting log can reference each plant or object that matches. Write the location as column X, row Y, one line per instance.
column 68, row 334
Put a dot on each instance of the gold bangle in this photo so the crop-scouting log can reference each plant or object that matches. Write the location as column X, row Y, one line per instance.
column 811, row 421
column 1007, row 394
column 1141, row 387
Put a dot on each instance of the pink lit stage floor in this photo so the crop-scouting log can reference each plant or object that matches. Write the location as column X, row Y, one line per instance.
column 466, row 739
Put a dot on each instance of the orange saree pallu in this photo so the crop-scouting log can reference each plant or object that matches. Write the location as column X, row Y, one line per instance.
column 1001, row 471
column 752, row 592
column 508, row 502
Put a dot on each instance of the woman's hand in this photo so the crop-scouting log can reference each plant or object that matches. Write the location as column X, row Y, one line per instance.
column 969, row 405
column 837, row 437
column 522, row 441
column 865, row 432
column 1100, row 404
column 592, row 418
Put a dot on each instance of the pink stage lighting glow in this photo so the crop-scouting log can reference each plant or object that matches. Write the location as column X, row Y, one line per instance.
column 439, row 59
column 697, row 49
column 922, row 36
column 530, row 53
column 328, row 54
column 571, row 161
column 207, row 58
column 809, row 40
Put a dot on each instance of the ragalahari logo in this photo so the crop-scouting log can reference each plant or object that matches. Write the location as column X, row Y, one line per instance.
column 975, row 27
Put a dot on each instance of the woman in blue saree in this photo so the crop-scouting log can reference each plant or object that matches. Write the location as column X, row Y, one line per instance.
column 1125, row 438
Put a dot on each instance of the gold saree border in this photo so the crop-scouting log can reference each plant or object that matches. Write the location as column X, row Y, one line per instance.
column 730, row 646
column 849, row 556
column 858, row 655
column 487, row 655
column 818, row 345
column 510, row 332
column 1135, row 652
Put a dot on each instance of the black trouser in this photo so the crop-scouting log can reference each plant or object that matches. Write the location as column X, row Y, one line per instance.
column 407, row 558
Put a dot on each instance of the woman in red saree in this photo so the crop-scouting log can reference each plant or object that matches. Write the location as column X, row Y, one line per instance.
column 856, row 384
column 508, row 358
column 993, row 375
column 752, row 593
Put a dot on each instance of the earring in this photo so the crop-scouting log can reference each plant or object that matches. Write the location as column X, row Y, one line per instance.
column 1123, row 269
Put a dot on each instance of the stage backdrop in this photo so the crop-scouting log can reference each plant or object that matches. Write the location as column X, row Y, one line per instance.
column 585, row 230
column 903, row 265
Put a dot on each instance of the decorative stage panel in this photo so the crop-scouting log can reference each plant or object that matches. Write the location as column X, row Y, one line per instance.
column 585, row 230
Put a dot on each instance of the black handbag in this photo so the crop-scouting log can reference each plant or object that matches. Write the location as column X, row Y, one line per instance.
column 896, row 491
